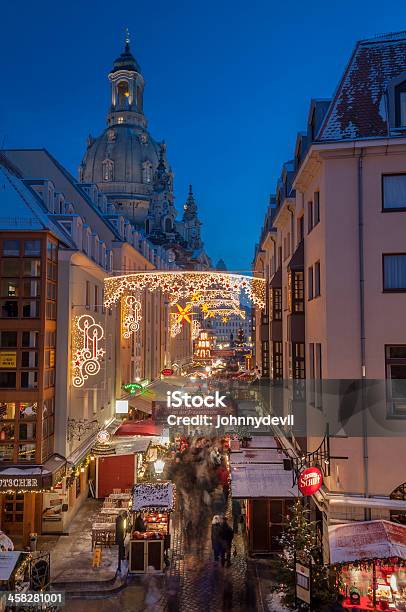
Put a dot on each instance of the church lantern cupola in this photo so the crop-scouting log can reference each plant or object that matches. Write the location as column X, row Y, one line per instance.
column 127, row 90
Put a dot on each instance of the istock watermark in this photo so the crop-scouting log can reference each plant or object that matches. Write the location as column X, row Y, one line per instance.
column 176, row 399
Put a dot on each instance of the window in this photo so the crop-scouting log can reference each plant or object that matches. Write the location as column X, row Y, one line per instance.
column 297, row 292
column 7, row 411
column 310, row 283
column 316, row 207
column 108, row 170
column 30, row 339
column 30, row 309
column 277, row 361
column 28, row 410
column 96, row 298
column 11, row 267
column 400, row 105
column 9, row 309
column 8, row 339
column 395, row 365
column 8, row 380
column 317, row 279
column 300, row 229
column 275, row 305
column 87, row 298
column 31, row 267
column 120, row 120
column 309, row 217
column 26, row 452
column 394, row 272
column 11, row 248
column 394, row 192
column 29, row 379
column 298, row 359
column 27, row 430
column 29, row 359
column 147, row 172
column 31, row 288
column 32, row 248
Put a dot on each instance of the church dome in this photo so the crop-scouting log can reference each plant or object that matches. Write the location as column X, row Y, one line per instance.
column 121, row 157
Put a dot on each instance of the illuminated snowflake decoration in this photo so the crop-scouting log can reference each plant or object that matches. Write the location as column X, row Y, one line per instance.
column 87, row 350
column 130, row 315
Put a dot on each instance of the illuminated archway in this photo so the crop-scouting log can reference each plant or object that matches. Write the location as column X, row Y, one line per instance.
column 214, row 293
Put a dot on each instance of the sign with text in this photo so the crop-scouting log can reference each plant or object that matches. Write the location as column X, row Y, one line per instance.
column 8, row 359
column 310, row 481
column 303, row 583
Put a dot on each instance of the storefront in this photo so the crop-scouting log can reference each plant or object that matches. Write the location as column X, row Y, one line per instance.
column 150, row 540
column 23, row 492
column 266, row 492
column 369, row 560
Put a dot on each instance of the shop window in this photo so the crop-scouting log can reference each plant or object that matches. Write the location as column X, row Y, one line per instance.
column 26, row 452
column 28, row 410
column 6, row 452
column 29, row 339
column 394, row 272
column 29, row 379
column 8, row 380
column 6, row 432
column 394, row 192
column 30, row 309
column 9, row 288
column 7, row 411
column 8, row 339
column 10, row 267
column 31, row 267
column 395, row 364
column 11, row 248
column 32, row 248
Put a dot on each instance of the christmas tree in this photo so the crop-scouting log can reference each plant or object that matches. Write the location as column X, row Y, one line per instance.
column 299, row 543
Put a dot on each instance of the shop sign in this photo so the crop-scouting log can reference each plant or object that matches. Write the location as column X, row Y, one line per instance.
column 18, row 482
column 303, row 583
column 132, row 387
column 167, row 372
column 8, row 359
column 103, row 437
column 121, row 406
column 310, row 481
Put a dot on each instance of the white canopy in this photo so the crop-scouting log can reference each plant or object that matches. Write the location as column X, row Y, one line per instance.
column 366, row 540
column 254, row 480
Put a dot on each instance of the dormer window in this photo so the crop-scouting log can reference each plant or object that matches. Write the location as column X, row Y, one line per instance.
column 400, row 104
column 108, row 170
column 147, row 172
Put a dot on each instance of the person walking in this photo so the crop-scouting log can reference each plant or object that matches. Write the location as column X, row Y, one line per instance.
column 236, row 512
column 226, row 535
column 216, row 540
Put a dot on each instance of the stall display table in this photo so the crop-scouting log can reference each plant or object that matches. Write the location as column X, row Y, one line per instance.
column 112, row 511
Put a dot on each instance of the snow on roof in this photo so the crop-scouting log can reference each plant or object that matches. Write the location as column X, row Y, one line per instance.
column 153, row 495
column 252, row 480
column 358, row 107
column 366, row 540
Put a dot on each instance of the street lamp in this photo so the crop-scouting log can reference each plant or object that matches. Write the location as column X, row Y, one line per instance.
column 159, row 465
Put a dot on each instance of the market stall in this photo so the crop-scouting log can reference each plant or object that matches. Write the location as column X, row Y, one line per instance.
column 369, row 559
column 116, row 504
column 152, row 505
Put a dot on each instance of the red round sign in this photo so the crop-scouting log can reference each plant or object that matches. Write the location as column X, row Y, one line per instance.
column 310, row 481
column 167, row 372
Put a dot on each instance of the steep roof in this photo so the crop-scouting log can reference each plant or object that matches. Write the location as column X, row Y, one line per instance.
column 358, row 109
column 20, row 209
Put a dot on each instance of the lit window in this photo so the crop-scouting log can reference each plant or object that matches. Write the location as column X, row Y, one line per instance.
column 120, row 120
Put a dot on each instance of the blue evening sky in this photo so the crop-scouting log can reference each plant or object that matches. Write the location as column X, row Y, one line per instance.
column 228, row 84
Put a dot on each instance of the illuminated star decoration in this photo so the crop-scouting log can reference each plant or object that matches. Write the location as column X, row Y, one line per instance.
column 184, row 314
column 224, row 319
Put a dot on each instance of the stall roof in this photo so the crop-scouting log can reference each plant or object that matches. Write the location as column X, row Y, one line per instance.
column 366, row 540
column 8, row 561
column 250, row 481
column 263, row 442
column 153, row 496
column 146, row 427
column 124, row 445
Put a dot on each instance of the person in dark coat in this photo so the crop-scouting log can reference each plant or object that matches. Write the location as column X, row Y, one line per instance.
column 217, row 542
column 227, row 535
column 236, row 512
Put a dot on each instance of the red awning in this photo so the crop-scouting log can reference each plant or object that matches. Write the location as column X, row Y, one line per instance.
column 139, row 428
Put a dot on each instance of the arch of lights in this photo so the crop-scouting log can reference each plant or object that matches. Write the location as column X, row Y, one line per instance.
column 214, row 293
